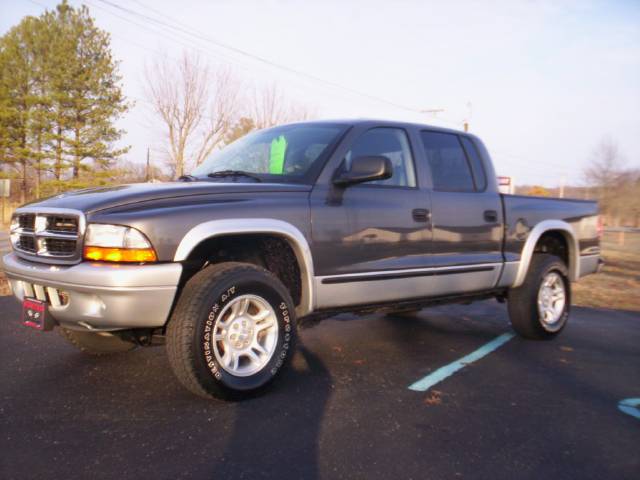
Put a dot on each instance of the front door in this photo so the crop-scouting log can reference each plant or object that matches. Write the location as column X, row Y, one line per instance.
column 367, row 235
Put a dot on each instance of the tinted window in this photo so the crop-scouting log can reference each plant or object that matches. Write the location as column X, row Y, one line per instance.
column 391, row 143
column 476, row 163
column 449, row 166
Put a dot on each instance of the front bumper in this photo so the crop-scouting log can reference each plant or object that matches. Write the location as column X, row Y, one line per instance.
column 98, row 296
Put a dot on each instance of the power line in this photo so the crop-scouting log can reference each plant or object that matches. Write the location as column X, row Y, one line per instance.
column 160, row 28
column 198, row 35
column 171, row 34
column 179, row 39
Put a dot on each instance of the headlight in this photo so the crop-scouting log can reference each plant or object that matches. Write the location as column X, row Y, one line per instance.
column 115, row 243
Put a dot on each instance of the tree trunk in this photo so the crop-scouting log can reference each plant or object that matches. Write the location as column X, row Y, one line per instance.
column 76, row 154
column 23, row 191
column 23, row 161
column 38, row 166
column 57, row 168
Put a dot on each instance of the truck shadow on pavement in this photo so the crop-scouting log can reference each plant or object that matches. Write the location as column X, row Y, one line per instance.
column 129, row 408
column 277, row 435
column 343, row 407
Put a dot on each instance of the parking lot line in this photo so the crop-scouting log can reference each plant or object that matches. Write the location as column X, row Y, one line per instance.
column 630, row 406
column 430, row 380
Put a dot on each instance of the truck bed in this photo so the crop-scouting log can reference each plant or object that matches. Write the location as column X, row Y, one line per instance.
column 522, row 213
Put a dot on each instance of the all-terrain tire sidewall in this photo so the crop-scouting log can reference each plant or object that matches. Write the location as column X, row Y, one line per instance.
column 211, row 373
column 523, row 301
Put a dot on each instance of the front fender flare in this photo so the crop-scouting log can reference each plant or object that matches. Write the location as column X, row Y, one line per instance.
column 245, row 226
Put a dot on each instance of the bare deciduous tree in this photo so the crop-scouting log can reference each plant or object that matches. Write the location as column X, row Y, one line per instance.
column 196, row 106
column 605, row 164
column 270, row 107
column 617, row 188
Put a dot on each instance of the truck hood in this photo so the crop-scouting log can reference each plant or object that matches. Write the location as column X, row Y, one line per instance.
column 95, row 199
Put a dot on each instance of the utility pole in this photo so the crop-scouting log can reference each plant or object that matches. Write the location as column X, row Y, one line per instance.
column 465, row 124
column 148, row 173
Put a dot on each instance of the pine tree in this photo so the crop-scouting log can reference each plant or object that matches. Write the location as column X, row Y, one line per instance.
column 60, row 94
column 88, row 94
column 17, row 97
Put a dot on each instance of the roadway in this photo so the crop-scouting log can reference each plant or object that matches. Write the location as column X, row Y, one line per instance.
column 525, row 410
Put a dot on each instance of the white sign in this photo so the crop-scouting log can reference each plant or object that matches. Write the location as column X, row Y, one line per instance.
column 506, row 185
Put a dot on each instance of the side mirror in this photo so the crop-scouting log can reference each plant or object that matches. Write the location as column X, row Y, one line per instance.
column 364, row 169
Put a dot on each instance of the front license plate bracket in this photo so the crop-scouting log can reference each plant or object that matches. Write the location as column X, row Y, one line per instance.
column 35, row 315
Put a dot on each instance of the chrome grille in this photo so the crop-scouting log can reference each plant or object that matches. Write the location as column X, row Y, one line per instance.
column 60, row 247
column 27, row 221
column 62, row 224
column 48, row 235
column 27, row 243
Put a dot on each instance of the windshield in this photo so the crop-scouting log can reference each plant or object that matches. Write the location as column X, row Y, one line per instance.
column 291, row 153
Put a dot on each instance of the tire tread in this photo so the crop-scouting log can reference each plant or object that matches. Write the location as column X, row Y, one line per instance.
column 522, row 301
column 180, row 346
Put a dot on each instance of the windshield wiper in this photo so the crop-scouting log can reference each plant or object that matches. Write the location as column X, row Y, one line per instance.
column 187, row 178
column 233, row 173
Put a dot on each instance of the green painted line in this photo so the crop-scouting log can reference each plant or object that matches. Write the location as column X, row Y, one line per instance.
column 630, row 406
column 430, row 380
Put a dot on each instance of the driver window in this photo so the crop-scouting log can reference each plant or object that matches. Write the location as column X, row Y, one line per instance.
column 391, row 143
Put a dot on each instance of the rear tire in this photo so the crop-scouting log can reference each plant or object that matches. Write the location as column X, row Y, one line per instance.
column 96, row 344
column 232, row 331
column 539, row 308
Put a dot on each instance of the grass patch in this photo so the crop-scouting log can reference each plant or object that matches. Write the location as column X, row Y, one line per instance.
column 618, row 285
column 4, row 286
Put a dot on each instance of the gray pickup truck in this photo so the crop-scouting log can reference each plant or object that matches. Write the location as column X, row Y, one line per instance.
column 297, row 222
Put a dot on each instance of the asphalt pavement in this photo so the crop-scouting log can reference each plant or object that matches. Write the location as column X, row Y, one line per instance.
column 525, row 410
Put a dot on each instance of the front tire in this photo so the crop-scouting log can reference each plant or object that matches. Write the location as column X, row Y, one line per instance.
column 539, row 308
column 232, row 331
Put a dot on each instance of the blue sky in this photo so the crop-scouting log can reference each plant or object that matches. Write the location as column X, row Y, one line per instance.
column 541, row 82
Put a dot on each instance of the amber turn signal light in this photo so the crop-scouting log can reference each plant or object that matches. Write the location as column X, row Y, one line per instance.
column 129, row 255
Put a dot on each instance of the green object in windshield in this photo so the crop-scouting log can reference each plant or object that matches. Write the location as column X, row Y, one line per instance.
column 276, row 158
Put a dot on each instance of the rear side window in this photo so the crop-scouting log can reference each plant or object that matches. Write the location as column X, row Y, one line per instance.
column 476, row 163
column 449, row 166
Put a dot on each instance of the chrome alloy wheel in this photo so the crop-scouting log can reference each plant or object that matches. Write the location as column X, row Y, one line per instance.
column 245, row 335
column 551, row 298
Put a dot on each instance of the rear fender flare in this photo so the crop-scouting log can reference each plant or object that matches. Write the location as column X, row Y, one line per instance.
column 530, row 244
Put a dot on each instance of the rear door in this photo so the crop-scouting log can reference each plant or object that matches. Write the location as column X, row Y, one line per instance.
column 466, row 214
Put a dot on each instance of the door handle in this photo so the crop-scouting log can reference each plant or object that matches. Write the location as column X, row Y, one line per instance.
column 421, row 214
column 491, row 216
